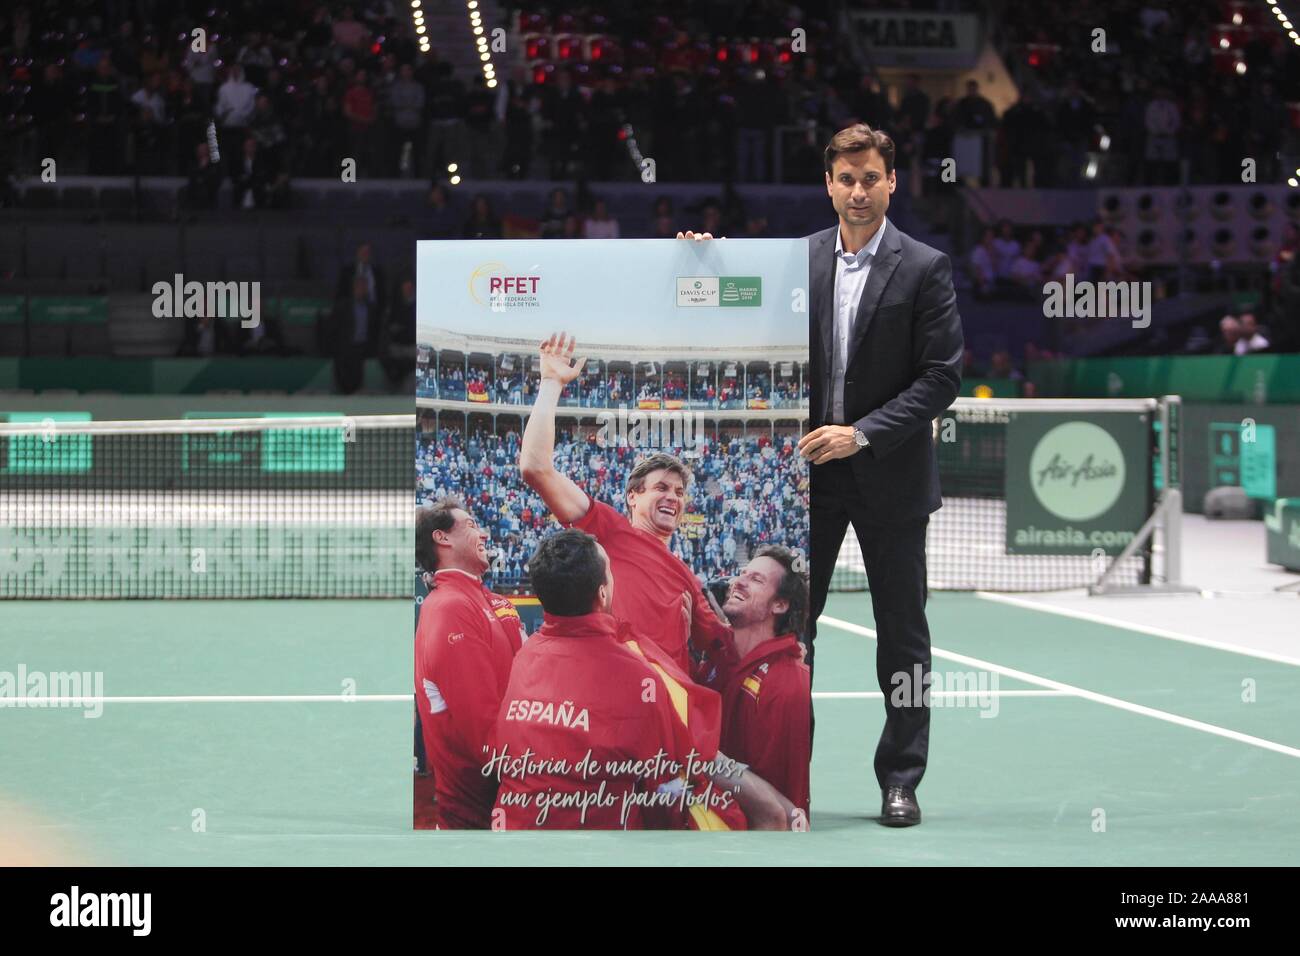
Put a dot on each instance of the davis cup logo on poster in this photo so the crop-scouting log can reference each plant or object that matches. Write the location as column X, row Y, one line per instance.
column 723, row 291
column 1078, row 486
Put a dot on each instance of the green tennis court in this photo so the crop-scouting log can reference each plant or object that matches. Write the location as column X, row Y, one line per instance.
column 1103, row 745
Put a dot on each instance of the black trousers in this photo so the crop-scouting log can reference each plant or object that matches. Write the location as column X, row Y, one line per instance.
column 894, row 555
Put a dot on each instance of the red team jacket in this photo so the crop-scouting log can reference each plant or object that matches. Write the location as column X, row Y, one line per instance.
column 648, row 584
column 576, row 689
column 766, row 708
column 699, row 710
column 464, row 645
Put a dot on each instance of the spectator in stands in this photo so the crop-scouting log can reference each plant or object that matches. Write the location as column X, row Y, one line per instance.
column 257, row 181
column 600, row 224
column 1103, row 255
column 1075, row 118
column 1253, row 338
column 557, row 211
column 350, row 33
column 1229, row 335
column 150, row 126
column 983, row 265
column 1006, row 249
column 482, row 223
column 191, row 116
column 975, row 121
column 266, row 128
column 363, row 268
column 323, row 130
column 1026, row 139
column 361, row 112
column 105, row 111
column 236, row 100
column 661, row 220
column 1000, row 366
column 1163, row 121
column 354, row 334
column 256, row 59
column 204, row 181
column 440, row 220
column 563, row 125
column 406, row 106
column 1027, row 269
column 522, row 105
column 201, row 66
column 206, row 336
column 397, row 338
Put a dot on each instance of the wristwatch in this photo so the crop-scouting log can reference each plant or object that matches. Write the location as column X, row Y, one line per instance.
column 860, row 438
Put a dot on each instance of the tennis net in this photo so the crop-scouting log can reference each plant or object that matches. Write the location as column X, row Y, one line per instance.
column 276, row 507
column 1038, row 495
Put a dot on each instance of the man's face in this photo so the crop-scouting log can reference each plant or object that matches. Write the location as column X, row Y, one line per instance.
column 752, row 598
column 467, row 541
column 662, row 501
column 859, row 187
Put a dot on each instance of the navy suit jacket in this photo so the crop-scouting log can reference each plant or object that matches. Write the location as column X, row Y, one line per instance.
column 903, row 369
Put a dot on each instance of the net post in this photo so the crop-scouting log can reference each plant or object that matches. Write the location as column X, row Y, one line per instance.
column 1171, row 408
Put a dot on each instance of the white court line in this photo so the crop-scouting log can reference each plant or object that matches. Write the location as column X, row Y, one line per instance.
column 1139, row 628
column 1085, row 694
column 939, row 694
column 37, row 703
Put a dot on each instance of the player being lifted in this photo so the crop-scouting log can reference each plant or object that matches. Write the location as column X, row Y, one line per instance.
column 652, row 580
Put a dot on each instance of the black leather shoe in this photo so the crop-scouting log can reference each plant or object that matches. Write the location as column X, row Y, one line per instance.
column 899, row 808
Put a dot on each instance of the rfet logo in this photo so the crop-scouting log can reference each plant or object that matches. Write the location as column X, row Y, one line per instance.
column 498, row 287
column 454, row 638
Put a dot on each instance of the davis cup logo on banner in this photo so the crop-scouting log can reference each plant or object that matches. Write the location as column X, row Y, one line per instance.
column 1077, row 471
column 724, row 291
column 495, row 286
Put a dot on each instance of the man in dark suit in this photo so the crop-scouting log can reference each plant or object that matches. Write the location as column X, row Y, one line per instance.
column 886, row 351
column 886, row 348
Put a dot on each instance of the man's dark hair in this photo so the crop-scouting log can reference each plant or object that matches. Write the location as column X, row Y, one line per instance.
column 438, row 516
column 856, row 139
column 567, row 572
column 793, row 589
column 659, row 461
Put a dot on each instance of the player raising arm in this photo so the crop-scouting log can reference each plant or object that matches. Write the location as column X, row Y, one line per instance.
column 651, row 578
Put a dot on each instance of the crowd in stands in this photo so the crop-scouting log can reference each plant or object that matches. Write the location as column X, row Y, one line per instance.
column 120, row 89
column 512, row 381
column 1177, row 79
column 1011, row 263
column 749, row 490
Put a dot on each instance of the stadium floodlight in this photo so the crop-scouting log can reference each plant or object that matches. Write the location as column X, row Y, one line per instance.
column 1241, row 67
column 1286, row 25
column 472, row 4
column 420, row 30
column 478, row 30
column 492, row 84
column 455, row 180
column 485, row 56
column 452, row 167
column 1292, row 182
column 1223, row 43
column 1236, row 19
